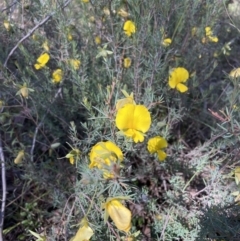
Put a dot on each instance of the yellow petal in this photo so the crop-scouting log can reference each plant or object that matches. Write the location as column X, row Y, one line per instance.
column 161, row 155
column 235, row 73
column 182, row 74
column 132, row 120
column 120, row 215
column 24, row 92
column 182, row 88
column 83, row 234
column 127, row 62
column 19, row 157
column 43, row 59
column 166, row 42
column 57, row 76
column 104, row 153
column 213, row 39
column 135, row 135
column 129, row 28
column 156, row 143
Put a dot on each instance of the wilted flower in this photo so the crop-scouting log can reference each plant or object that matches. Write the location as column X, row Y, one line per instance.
column 128, row 100
column 84, row 233
column 235, row 73
column 73, row 155
column 127, row 62
column 155, row 145
column 123, row 13
column 103, row 154
column 166, row 42
column 7, row 25
column 120, row 215
column 177, row 77
column 57, row 76
column 24, row 91
column 98, row 40
column 129, row 28
column 19, row 157
column 133, row 121
column 42, row 61
column 45, row 46
column 75, row 63
column 193, row 31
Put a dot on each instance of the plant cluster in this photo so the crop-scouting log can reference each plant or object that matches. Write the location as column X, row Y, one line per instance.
column 119, row 120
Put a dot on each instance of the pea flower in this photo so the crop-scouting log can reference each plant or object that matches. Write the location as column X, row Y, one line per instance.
column 120, row 215
column 129, row 28
column 166, row 42
column 102, row 155
column 57, row 76
column 155, row 145
column 127, row 62
column 84, row 233
column 209, row 36
column 42, row 61
column 128, row 100
column 133, row 121
column 177, row 77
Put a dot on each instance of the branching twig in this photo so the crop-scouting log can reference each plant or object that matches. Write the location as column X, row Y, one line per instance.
column 31, row 32
column 4, row 189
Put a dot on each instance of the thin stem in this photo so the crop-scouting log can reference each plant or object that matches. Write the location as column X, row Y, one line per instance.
column 4, row 188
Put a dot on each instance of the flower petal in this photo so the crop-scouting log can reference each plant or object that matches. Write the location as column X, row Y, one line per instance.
column 182, row 88
column 120, row 215
column 161, row 155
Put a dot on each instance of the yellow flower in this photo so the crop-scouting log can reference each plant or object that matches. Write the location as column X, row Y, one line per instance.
column 128, row 100
column 85, row 1
column 209, row 36
column 42, row 61
column 120, row 215
column 103, row 154
column 129, row 28
column 133, row 121
column 84, row 233
column 155, row 145
column 166, row 42
column 73, row 155
column 235, row 73
column 57, row 76
column 127, row 62
column 98, row 40
column 177, row 77
column 19, row 157
column 75, row 63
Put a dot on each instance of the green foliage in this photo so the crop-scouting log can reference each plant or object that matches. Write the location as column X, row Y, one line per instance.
column 186, row 197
